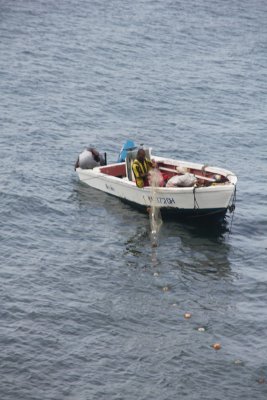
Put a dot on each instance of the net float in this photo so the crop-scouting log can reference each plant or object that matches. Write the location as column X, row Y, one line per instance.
column 187, row 315
column 216, row 346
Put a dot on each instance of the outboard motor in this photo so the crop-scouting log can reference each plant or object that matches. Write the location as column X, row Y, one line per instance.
column 90, row 158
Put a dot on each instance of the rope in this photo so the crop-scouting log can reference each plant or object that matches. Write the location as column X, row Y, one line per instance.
column 231, row 208
column 195, row 200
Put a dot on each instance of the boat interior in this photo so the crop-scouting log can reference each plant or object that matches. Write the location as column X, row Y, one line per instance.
column 203, row 176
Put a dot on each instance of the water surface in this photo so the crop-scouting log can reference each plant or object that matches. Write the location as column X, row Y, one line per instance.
column 88, row 309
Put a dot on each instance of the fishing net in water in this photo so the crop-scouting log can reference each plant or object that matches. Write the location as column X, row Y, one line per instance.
column 155, row 180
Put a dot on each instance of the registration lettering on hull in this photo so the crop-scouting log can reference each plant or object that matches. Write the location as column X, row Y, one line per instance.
column 166, row 201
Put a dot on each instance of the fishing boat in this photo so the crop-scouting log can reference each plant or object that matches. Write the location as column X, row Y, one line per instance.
column 211, row 195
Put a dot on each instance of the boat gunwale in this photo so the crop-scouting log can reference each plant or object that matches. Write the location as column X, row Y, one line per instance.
column 162, row 190
column 232, row 178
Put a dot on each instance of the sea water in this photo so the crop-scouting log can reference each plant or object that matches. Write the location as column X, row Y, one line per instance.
column 89, row 310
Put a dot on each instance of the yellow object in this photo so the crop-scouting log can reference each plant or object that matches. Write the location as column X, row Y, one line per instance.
column 140, row 169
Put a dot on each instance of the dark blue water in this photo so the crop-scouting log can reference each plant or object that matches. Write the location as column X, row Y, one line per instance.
column 89, row 310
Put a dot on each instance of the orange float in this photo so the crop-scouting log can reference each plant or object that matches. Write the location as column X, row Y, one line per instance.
column 216, row 346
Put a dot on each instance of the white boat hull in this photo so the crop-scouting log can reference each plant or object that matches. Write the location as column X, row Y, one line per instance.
column 187, row 201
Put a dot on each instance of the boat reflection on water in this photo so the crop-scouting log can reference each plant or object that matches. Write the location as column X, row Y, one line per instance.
column 194, row 245
column 185, row 247
column 199, row 248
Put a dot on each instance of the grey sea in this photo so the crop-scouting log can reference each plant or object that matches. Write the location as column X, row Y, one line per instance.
column 89, row 310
